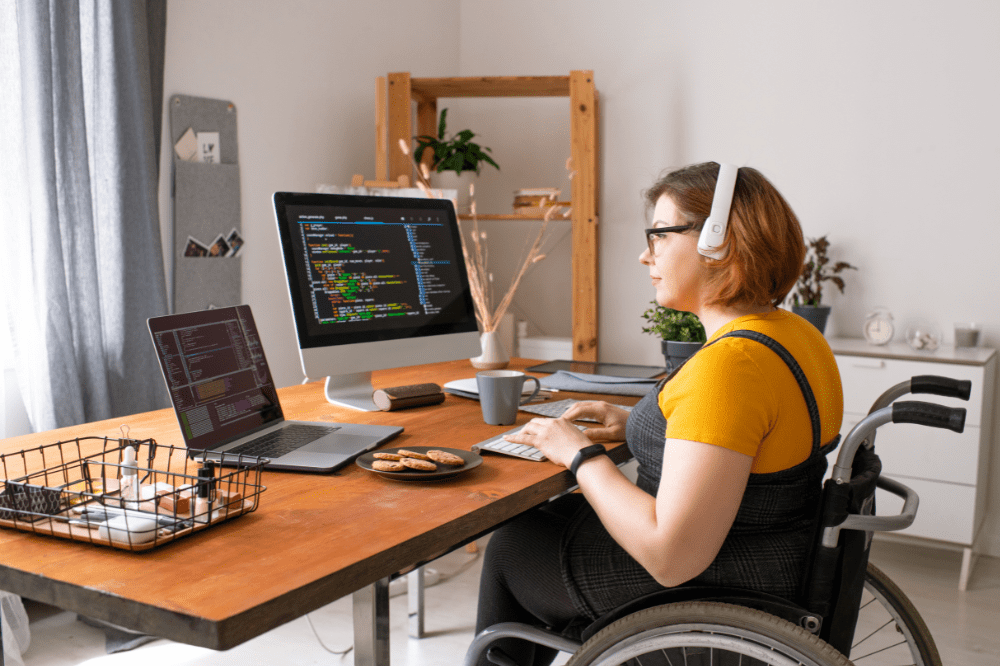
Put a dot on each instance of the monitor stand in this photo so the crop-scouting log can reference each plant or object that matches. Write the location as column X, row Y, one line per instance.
column 353, row 391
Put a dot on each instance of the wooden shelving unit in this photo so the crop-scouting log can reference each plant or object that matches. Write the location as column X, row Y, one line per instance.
column 394, row 121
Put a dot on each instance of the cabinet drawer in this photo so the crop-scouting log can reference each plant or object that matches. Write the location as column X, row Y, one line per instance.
column 946, row 511
column 926, row 453
column 865, row 379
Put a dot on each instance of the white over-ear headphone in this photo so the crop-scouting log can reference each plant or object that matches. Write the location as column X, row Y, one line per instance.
column 713, row 233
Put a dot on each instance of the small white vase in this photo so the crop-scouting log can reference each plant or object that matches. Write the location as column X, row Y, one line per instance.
column 494, row 356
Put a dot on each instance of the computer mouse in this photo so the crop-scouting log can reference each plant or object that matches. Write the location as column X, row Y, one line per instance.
column 130, row 530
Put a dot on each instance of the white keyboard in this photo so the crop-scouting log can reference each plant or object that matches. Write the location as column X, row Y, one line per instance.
column 499, row 445
column 554, row 410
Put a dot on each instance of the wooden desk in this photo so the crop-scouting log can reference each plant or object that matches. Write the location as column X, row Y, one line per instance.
column 314, row 539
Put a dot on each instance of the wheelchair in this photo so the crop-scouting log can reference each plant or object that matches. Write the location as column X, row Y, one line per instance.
column 848, row 611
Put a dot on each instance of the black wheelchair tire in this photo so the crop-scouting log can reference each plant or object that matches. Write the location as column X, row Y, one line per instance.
column 717, row 627
column 914, row 630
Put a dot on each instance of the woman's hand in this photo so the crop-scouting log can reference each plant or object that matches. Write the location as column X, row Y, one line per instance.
column 611, row 418
column 558, row 438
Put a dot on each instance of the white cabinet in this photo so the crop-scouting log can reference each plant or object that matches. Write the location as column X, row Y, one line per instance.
column 948, row 470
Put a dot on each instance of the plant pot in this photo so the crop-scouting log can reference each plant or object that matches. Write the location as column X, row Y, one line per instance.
column 676, row 352
column 814, row 314
column 449, row 180
column 494, row 356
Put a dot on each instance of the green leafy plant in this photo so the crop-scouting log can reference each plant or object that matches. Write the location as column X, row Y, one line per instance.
column 674, row 325
column 816, row 270
column 456, row 153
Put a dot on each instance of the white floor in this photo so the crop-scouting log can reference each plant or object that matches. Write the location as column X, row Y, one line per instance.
column 966, row 625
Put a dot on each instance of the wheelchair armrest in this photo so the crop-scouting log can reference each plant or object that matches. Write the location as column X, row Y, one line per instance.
column 911, row 500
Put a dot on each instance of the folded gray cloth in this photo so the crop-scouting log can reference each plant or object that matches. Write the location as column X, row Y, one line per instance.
column 584, row 383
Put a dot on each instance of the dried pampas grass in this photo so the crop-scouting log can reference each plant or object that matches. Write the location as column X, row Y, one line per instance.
column 477, row 260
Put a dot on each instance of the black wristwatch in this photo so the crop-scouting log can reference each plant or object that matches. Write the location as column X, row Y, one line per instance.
column 586, row 453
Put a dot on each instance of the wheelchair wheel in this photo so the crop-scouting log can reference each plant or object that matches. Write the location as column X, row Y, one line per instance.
column 702, row 633
column 889, row 629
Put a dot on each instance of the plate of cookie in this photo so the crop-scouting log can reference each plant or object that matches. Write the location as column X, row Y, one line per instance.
column 419, row 463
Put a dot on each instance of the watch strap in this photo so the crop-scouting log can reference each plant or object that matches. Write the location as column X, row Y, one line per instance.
column 586, row 453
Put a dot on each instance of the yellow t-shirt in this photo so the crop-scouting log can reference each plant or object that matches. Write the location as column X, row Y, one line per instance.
column 740, row 395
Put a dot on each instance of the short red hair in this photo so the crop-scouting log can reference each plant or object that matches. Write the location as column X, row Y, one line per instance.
column 765, row 250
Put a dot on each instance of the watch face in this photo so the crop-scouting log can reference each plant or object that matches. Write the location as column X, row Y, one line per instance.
column 878, row 330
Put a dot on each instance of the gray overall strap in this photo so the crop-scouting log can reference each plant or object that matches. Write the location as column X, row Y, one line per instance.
column 797, row 372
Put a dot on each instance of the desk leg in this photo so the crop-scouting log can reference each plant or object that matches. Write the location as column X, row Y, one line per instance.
column 415, row 602
column 371, row 625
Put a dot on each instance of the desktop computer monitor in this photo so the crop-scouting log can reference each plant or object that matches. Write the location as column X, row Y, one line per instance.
column 375, row 283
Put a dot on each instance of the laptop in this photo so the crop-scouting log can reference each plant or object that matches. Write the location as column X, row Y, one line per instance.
column 226, row 402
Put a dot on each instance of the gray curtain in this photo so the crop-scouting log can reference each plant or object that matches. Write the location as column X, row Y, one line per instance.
column 83, row 265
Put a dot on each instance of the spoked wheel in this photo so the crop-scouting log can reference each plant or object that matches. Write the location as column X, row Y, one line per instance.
column 890, row 632
column 705, row 633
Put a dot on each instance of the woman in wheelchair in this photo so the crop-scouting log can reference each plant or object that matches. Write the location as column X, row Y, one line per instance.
column 731, row 446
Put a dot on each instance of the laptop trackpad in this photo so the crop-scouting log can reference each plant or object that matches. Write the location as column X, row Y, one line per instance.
column 339, row 442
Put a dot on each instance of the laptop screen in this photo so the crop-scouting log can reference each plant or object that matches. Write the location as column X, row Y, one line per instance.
column 216, row 373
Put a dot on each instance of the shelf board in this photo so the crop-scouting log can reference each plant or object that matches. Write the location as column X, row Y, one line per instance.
column 490, row 86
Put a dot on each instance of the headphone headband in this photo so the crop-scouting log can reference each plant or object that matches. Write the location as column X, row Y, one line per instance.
column 713, row 233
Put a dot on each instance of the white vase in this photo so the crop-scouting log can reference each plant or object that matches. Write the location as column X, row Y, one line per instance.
column 494, row 356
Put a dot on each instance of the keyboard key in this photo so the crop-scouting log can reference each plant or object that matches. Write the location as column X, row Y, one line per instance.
column 554, row 410
column 500, row 445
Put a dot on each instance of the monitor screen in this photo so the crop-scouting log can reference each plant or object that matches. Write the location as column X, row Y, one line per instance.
column 375, row 282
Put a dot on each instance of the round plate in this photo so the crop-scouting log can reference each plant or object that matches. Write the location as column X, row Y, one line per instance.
column 365, row 460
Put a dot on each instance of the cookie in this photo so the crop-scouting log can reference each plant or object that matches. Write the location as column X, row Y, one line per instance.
column 445, row 458
column 387, row 456
column 419, row 465
column 412, row 454
column 388, row 466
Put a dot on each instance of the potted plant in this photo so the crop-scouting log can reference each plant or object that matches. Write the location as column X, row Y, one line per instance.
column 681, row 333
column 458, row 153
column 807, row 300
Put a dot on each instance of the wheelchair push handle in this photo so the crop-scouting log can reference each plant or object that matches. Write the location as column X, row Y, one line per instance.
column 921, row 413
column 946, row 386
column 931, row 384
column 929, row 414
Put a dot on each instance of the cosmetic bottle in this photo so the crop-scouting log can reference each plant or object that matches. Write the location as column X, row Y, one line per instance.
column 205, row 496
column 130, row 479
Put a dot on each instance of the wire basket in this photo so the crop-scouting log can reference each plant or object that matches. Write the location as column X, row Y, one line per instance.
column 82, row 489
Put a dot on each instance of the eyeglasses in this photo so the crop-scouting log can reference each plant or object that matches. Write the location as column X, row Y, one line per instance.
column 657, row 232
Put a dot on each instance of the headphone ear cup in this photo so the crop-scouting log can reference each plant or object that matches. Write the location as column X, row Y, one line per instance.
column 713, row 232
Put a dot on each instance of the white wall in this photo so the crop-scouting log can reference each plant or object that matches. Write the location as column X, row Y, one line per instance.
column 302, row 76
column 878, row 121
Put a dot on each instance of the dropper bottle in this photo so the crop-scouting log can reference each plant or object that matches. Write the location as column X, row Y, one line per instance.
column 130, row 479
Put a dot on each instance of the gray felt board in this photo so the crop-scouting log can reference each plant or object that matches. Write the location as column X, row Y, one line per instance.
column 206, row 205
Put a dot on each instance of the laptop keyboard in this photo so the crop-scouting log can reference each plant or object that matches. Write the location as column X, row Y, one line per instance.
column 278, row 443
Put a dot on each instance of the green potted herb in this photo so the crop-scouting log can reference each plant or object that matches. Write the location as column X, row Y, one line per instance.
column 808, row 297
column 681, row 333
column 456, row 153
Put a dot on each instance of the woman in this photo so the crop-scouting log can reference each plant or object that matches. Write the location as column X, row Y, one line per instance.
column 730, row 463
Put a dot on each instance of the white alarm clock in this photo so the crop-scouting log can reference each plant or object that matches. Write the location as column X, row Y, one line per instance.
column 878, row 327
